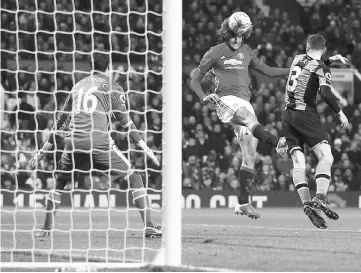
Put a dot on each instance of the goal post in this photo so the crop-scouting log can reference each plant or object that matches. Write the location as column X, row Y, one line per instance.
column 22, row 212
column 172, row 130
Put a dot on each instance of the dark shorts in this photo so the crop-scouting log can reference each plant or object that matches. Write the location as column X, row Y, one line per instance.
column 111, row 163
column 300, row 127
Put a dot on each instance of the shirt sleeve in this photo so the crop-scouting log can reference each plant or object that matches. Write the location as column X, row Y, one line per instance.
column 63, row 118
column 119, row 108
column 207, row 61
column 324, row 76
column 261, row 67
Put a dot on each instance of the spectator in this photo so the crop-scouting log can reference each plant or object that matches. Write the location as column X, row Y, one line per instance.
column 190, row 148
column 282, row 183
column 192, row 174
column 284, row 164
column 202, row 144
column 276, row 39
column 217, row 141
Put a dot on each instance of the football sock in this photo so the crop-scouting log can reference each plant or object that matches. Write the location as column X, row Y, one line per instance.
column 322, row 182
column 261, row 132
column 52, row 207
column 140, row 199
column 245, row 176
column 323, row 176
column 301, row 185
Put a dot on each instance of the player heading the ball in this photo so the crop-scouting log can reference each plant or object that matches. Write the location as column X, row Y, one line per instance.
column 230, row 62
column 85, row 122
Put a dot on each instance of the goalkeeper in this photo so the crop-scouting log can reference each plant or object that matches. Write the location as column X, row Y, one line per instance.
column 85, row 122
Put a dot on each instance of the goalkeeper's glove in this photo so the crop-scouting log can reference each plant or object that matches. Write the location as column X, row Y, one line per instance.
column 149, row 152
column 40, row 155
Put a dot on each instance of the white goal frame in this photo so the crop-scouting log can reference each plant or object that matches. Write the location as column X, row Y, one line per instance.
column 170, row 252
column 172, row 131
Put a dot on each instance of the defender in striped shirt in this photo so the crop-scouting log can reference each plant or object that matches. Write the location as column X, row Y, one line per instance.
column 306, row 76
column 301, row 123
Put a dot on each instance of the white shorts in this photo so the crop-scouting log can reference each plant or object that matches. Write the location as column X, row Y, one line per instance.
column 227, row 110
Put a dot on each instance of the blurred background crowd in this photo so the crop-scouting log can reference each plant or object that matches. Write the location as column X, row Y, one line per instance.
column 211, row 154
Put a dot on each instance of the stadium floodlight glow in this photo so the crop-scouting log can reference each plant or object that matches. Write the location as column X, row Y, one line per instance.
column 170, row 251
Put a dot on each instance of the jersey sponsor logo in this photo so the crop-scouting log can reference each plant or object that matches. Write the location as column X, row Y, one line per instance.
column 233, row 62
column 240, row 55
column 234, row 67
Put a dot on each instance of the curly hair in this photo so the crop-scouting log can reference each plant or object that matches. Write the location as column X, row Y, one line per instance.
column 225, row 33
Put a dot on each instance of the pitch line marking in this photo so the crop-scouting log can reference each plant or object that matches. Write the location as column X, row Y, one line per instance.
column 274, row 228
column 203, row 225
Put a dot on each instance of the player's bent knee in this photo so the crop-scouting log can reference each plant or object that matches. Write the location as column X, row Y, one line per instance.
column 62, row 180
column 244, row 117
column 136, row 181
column 249, row 159
column 329, row 158
column 248, row 162
column 323, row 153
column 298, row 159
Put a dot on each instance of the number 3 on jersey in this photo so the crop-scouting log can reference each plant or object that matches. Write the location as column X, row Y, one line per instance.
column 292, row 81
column 87, row 100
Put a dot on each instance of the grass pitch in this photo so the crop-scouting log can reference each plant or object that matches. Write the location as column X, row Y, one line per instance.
column 283, row 239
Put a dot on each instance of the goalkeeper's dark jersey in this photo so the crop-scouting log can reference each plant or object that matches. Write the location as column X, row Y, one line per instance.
column 305, row 78
column 86, row 114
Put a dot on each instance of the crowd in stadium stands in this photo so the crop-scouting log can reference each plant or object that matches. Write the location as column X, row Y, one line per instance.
column 211, row 154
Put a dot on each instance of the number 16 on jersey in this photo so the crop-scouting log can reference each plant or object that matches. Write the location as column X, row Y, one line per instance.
column 86, row 102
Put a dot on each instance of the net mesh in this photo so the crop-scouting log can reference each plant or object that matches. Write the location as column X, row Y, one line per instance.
column 44, row 47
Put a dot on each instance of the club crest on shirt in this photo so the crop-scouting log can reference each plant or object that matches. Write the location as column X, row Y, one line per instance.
column 240, row 55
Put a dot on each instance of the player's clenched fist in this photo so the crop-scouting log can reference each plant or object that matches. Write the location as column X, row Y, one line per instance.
column 212, row 98
column 149, row 152
column 343, row 119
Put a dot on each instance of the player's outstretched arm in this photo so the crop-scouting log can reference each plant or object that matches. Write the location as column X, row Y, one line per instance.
column 261, row 67
column 40, row 155
column 121, row 114
column 195, row 83
column 205, row 65
column 272, row 71
column 59, row 124
column 330, row 99
column 197, row 88
column 337, row 57
column 134, row 135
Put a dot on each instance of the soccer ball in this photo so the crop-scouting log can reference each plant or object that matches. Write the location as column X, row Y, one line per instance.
column 239, row 22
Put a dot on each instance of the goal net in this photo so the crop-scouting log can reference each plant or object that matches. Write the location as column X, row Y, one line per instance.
column 44, row 48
